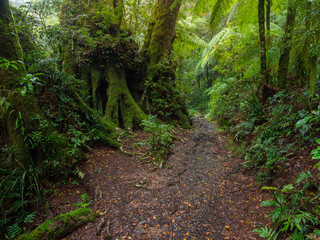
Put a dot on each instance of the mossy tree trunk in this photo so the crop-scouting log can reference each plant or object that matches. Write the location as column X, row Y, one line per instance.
column 103, row 64
column 18, row 119
column 161, row 95
column 120, row 105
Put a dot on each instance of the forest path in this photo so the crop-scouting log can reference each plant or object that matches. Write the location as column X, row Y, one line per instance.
column 201, row 194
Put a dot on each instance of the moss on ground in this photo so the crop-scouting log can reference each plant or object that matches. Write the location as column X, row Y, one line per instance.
column 61, row 225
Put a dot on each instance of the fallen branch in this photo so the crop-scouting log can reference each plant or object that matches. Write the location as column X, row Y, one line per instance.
column 61, row 225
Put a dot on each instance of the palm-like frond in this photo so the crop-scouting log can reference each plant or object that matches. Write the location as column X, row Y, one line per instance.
column 247, row 14
column 212, row 46
column 202, row 6
column 220, row 9
column 195, row 41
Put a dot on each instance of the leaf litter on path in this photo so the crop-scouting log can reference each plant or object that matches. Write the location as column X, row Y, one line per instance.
column 201, row 194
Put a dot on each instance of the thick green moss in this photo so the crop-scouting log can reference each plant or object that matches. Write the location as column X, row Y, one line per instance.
column 19, row 106
column 95, row 81
column 107, row 85
column 9, row 42
column 161, row 32
column 107, row 128
column 121, row 108
column 162, row 98
column 61, row 225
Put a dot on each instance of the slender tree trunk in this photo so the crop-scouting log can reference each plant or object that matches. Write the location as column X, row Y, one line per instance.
column 285, row 53
column 268, row 14
column 262, row 40
column 303, row 58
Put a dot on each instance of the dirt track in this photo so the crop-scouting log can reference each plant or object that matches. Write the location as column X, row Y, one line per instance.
column 201, row 194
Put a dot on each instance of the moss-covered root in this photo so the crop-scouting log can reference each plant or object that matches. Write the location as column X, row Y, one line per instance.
column 121, row 108
column 107, row 133
column 61, row 225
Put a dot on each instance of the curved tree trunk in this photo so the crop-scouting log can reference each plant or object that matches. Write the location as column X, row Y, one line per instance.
column 162, row 97
column 104, row 74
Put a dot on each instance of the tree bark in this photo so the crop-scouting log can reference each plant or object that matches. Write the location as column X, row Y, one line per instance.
column 268, row 15
column 285, row 53
column 262, row 41
column 19, row 106
column 162, row 97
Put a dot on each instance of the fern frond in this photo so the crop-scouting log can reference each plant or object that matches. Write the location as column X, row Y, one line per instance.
column 265, row 232
column 275, row 28
column 196, row 41
column 220, row 9
column 212, row 46
column 247, row 14
column 202, row 6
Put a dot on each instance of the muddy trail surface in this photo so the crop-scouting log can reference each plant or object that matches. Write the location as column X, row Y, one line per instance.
column 201, row 193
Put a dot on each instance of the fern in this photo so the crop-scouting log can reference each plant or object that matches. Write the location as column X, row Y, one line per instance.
column 220, row 9
column 212, row 46
column 195, row 41
column 202, row 6
column 29, row 218
column 14, row 231
column 265, row 232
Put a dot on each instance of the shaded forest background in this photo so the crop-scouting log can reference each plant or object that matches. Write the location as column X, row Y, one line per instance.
column 77, row 74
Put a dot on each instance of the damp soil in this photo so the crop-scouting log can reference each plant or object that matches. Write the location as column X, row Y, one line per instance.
column 201, row 192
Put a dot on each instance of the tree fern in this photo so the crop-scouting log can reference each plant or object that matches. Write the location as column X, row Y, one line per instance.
column 195, row 41
column 203, row 6
column 212, row 46
column 220, row 9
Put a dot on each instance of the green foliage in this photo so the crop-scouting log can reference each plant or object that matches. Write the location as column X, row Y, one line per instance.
column 296, row 208
column 199, row 99
column 137, row 17
column 6, row 64
column 265, row 232
column 85, row 201
column 27, row 83
column 274, row 138
column 57, row 143
column 211, row 47
column 160, row 140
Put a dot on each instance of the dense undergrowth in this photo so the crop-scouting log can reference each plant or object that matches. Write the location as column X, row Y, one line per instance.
column 265, row 94
column 272, row 138
column 22, row 184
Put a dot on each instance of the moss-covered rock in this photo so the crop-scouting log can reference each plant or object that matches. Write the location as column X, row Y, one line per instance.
column 61, row 225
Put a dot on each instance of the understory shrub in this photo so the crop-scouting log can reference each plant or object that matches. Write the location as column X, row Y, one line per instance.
column 160, row 141
column 63, row 134
column 296, row 207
